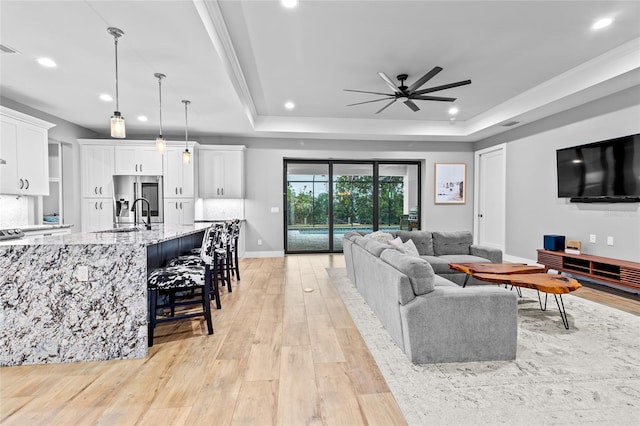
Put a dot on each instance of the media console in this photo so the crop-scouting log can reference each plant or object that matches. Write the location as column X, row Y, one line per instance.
column 619, row 272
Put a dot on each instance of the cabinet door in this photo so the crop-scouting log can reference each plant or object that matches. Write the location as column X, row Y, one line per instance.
column 9, row 153
column 188, row 211
column 206, row 180
column 149, row 161
column 178, row 211
column 97, row 164
column 97, row 214
column 33, row 159
column 178, row 177
column 232, row 174
column 126, row 160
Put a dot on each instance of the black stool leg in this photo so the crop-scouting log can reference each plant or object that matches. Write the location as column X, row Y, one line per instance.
column 206, row 301
column 153, row 298
column 235, row 262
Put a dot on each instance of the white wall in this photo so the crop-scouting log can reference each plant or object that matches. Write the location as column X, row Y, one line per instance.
column 533, row 208
column 264, row 182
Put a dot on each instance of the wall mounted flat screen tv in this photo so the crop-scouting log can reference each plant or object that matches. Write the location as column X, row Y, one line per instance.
column 605, row 171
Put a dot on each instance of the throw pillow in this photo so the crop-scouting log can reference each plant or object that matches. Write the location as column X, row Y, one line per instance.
column 383, row 237
column 410, row 248
column 397, row 243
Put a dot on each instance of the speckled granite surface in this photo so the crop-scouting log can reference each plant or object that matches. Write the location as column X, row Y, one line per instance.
column 48, row 315
column 589, row 374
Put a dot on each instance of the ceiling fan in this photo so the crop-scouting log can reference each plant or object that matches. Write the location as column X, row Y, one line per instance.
column 411, row 93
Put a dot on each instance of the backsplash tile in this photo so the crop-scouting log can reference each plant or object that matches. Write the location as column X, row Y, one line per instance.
column 219, row 209
column 14, row 211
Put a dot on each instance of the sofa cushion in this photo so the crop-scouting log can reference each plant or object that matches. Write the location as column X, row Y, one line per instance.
column 418, row 270
column 351, row 235
column 361, row 241
column 439, row 281
column 464, row 258
column 422, row 239
column 456, row 242
column 375, row 247
column 438, row 264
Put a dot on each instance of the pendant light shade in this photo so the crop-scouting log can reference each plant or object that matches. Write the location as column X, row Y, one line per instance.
column 186, row 155
column 117, row 120
column 161, row 143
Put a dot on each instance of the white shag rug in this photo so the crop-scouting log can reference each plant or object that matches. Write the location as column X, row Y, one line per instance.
column 589, row 374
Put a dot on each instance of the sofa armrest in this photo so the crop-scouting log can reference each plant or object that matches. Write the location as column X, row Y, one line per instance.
column 493, row 254
column 460, row 325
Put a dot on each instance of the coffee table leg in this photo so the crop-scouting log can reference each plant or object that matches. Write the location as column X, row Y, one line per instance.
column 545, row 301
column 465, row 281
column 563, row 312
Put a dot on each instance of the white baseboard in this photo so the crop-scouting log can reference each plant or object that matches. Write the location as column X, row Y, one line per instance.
column 516, row 259
column 252, row 254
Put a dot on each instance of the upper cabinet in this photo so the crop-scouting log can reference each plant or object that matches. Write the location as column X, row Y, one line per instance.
column 179, row 178
column 24, row 149
column 138, row 160
column 221, row 171
column 97, row 165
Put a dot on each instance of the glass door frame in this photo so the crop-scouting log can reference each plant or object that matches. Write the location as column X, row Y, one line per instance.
column 376, row 184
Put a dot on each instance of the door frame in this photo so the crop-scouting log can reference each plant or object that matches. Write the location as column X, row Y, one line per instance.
column 476, row 191
column 331, row 162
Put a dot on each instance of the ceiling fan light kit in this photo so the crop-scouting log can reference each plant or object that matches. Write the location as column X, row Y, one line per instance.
column 117, row 120
column 411, row 93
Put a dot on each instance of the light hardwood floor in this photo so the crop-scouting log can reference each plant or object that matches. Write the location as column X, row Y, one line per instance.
column 279, row 355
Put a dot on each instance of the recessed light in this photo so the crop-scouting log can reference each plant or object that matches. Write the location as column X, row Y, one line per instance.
column 290, row 4
column 453, row 111
column 289, row 105
column 142, row 118
column 106, row 97
column 47, row 62
column 601, row 23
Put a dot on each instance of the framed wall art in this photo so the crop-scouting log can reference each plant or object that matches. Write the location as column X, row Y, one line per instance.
column 450, row 185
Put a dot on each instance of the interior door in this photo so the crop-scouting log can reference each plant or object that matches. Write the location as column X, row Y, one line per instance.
column 490, row 210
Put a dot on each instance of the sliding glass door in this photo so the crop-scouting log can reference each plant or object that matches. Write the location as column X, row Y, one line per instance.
column 325, row 199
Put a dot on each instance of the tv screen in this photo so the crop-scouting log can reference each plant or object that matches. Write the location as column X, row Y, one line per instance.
column 608, row 168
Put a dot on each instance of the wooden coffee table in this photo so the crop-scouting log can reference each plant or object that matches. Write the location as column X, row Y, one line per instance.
column 546, row 283
column 472, row 269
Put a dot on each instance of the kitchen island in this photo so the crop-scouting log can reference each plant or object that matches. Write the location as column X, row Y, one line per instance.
column 82, row 296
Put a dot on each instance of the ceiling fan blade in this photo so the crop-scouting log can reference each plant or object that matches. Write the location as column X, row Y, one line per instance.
column 422, row 80
column 368, row 102
column 389, row 82
column 432, row 98
column 443, row 87
column 362, row 91
column 385, row 107
column 411, row 105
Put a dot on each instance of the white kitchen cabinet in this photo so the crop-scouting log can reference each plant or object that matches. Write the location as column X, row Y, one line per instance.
column 97, row 165
column 24, row 148
column 221, row 171
column 178, row 211
column 97, row 214
column 138, row 160
column 179, row 178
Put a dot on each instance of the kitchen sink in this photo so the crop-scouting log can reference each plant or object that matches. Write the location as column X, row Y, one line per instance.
column 117, row 230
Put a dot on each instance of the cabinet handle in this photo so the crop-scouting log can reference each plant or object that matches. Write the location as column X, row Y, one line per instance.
column 96, row 205
column 21, row 184
column 181, row 205
column 222, row 191
column 176, row 190
column 180, row 190
column 100, row 205
column 140, row 167
column 218, row 191
column 95, row 189
column 176, row 206
column 136, row 167
column 27, row 180
column 100, row 190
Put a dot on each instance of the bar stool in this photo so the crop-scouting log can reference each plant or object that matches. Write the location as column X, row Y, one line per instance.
column 233, row 248
column 175, row 279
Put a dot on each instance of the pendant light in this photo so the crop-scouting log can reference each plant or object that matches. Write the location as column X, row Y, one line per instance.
column 117, row 120
column 161, row 143
column 186, row 155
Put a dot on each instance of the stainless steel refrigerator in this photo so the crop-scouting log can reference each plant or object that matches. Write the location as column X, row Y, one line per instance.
column 129, row 188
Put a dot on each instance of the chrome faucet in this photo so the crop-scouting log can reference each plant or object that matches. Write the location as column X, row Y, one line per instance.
column 147, row 224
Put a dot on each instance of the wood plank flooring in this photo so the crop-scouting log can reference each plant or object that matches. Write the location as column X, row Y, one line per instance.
column 279, row 355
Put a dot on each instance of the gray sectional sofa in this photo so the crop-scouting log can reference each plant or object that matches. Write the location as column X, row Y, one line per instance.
column 431, row 318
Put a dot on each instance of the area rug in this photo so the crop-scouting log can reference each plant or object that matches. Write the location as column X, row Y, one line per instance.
column 589, row 374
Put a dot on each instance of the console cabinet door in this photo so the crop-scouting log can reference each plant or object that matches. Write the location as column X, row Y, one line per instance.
column 97, row 164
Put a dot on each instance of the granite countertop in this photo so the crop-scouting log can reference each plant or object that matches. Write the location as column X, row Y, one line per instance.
column 27, row 228
column 142, row 237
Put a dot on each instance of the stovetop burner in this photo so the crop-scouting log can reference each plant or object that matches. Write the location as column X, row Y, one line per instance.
column 11, row 234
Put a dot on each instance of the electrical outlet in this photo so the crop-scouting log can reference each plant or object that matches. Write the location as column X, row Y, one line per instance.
column 275, row 209
column 592, row 238
column 82, row 273
column 259, row 242
column 609, row 241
